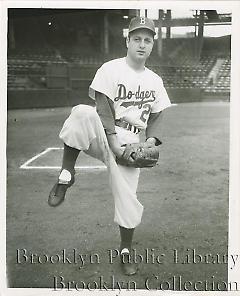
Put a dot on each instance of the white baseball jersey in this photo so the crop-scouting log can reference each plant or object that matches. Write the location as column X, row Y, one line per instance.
column 135, row 94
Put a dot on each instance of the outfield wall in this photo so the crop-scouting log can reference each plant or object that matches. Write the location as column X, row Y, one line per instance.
column 50, row 98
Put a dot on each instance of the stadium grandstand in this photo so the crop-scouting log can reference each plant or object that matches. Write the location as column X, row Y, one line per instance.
column 53, row 54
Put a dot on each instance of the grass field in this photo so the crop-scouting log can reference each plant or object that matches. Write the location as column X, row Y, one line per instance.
column 185, row 202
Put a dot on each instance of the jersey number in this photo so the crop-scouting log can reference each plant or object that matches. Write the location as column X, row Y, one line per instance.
column 145, row 112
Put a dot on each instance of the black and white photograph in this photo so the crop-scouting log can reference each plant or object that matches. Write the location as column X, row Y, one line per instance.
column 119, row 144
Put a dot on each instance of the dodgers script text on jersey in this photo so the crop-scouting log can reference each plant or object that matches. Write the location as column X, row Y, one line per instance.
column 135, row 94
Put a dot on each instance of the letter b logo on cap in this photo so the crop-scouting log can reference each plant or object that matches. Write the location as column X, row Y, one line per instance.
column 142, row 21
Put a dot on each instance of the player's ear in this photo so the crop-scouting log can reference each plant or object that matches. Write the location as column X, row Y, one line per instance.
column 127, row 41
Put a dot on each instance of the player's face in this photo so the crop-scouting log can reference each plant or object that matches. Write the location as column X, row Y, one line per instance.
column 140, row 44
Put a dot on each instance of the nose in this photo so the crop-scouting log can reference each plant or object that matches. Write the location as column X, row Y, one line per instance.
column 142, row 44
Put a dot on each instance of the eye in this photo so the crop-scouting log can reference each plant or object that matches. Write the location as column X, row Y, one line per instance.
column 148, row 41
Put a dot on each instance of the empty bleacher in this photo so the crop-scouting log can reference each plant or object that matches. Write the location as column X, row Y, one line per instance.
column 222, row 84
column 188, row 75
column 29, row 71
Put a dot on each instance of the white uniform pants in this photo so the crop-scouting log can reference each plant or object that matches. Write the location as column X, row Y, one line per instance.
column 83, row 130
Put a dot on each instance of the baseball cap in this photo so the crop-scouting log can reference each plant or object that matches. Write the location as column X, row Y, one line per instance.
column 139, row 22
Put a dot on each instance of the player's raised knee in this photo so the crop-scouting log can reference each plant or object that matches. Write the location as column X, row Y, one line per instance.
column 84, row 111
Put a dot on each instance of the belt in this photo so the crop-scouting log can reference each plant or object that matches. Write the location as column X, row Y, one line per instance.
column 127, row 125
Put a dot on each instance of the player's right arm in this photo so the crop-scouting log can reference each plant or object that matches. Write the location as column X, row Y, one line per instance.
column 116, row 148
column 106, row 112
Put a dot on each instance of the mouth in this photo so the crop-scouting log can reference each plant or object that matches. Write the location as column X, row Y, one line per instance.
column 141, row 52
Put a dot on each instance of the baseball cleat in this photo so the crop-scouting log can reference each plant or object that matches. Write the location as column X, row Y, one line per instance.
column 128, row 267
column 58, row 192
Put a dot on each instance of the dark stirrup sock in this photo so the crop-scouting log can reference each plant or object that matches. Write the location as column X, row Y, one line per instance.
column 126, row 237
column 70, row 155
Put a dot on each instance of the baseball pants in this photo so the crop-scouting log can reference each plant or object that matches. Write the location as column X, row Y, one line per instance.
column 84, row 131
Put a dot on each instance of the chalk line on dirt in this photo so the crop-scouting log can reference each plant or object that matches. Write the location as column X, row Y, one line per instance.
column 27, row 166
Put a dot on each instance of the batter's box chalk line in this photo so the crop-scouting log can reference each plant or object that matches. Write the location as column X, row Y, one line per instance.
column 27, row 166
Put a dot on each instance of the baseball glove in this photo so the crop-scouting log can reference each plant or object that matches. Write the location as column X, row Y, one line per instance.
column 139, row 155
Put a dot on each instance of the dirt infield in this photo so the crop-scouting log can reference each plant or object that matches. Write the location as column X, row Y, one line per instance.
column 185, row 202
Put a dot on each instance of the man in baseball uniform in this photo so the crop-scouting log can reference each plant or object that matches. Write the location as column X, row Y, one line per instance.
column 129, row 99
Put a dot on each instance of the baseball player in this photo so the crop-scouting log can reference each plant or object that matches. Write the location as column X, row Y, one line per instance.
column 129, row 99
